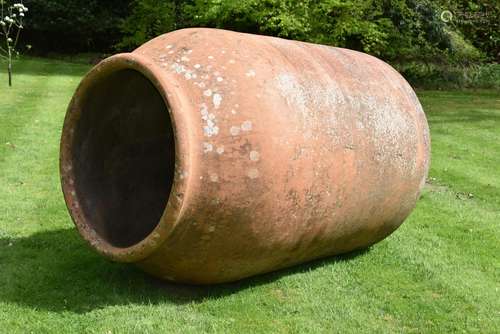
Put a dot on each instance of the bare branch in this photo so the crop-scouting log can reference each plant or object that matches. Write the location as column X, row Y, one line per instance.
column 11, row 22
column 17, row 37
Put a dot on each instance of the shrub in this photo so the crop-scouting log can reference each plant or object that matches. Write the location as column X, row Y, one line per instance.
column 444, row 76
column 148, row 19
column 386, row 28
column 75, row 25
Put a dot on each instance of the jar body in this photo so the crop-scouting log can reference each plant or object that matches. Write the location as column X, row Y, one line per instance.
column 284, row 152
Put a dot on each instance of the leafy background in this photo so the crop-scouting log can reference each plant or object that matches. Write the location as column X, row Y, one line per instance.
column 409, row 34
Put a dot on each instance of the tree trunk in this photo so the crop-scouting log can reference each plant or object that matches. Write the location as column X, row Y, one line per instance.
column 9, row 69
column 9, row 66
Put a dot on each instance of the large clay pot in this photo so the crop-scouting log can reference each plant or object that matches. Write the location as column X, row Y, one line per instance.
column 207, row 156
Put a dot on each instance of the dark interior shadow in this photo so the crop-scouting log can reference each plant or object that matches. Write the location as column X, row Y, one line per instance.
column 56, row 271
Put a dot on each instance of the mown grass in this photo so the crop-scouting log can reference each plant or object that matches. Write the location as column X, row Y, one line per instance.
column 438, row 273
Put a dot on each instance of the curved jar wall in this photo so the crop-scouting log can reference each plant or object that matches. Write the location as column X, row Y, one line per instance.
column 207, row 156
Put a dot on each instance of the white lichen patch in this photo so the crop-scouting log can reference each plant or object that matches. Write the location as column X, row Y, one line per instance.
column 292, row 90
column 250, row 73
column 210, row 123
column 359, row 125
column 309, row 97
column 208, row 92
column 210, row 57
column 254, row 155
column 210, row 128
column 169, row 46
column 253, row 173
column 207, row 147
column 246, row 126
column 220, row 79
column 197, row 66
column 204, row 111
column 185, row 59
column 234, row 130
column 178, row 68
column 386, row 120
column 217, row 100
column 214, row 177
column 220, row 150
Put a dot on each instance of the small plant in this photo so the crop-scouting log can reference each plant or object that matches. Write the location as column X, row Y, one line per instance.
column 11, row 24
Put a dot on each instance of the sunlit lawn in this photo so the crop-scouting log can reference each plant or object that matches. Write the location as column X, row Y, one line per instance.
column 440, row 272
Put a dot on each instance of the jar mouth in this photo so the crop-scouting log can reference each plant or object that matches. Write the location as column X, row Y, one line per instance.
column 118, row 158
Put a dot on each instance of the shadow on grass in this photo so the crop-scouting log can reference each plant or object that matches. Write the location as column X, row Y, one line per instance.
column 56, row 271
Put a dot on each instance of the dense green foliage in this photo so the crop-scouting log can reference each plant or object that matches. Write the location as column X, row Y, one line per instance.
column 384, row 28
column 438, row 273
column 395, row 30
column 410, row 34
column 148, row 18
column 74, row 25
column 479, row 22
column 445, row 76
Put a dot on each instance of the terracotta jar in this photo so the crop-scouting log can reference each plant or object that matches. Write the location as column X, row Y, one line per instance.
column 207, row 156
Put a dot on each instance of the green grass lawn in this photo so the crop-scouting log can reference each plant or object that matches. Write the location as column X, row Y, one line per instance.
column 438, row 273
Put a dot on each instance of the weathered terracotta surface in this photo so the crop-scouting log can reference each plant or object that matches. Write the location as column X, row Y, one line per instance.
column 276, row 152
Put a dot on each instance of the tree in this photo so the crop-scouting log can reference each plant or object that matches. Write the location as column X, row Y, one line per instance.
column 11, row 23
column 148, row 19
